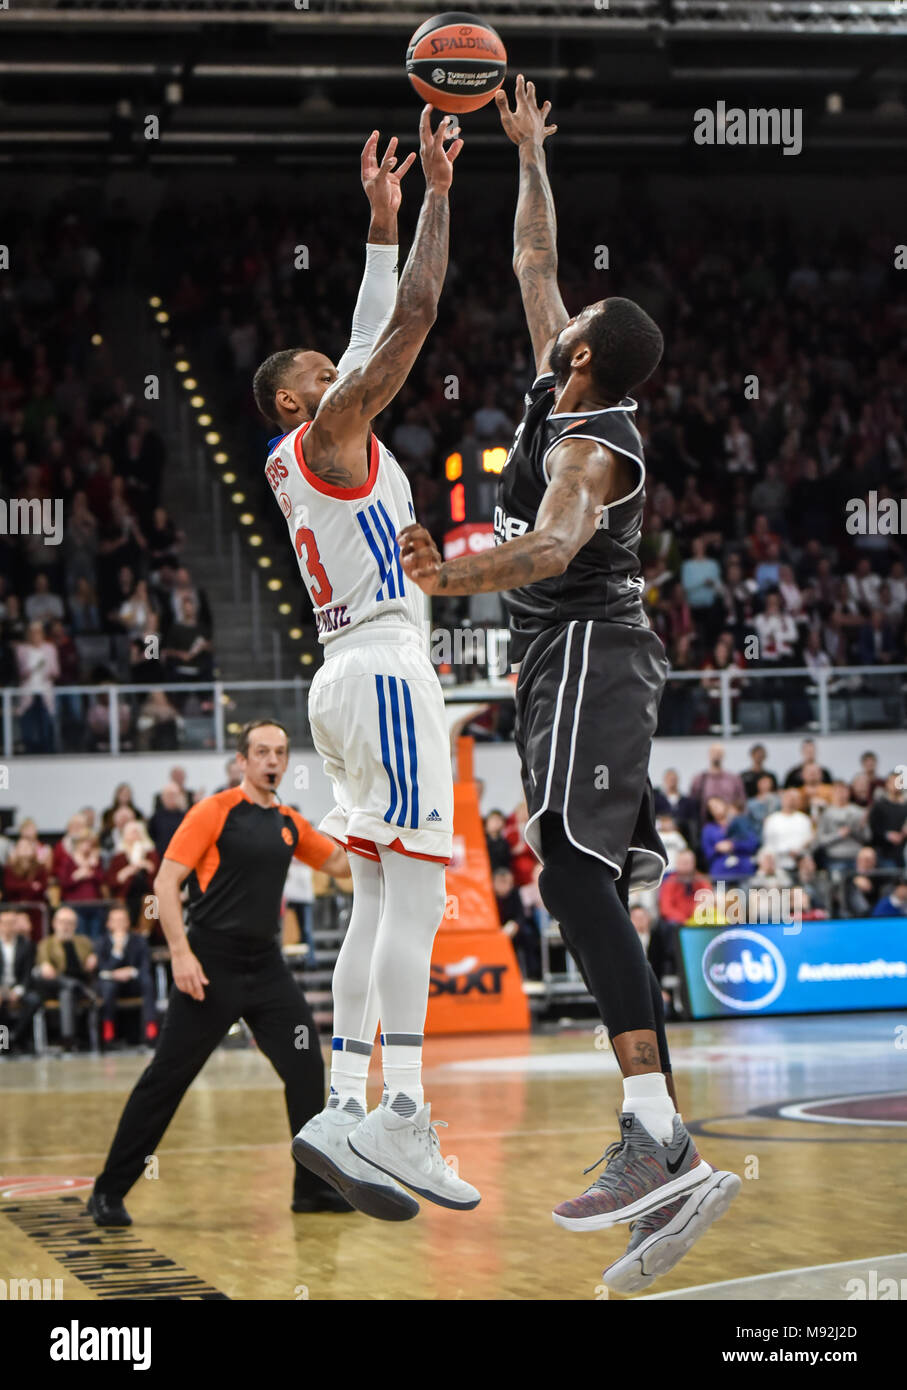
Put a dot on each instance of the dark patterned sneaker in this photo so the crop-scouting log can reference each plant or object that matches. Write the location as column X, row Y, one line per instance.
column 661, row 1238
column 641, row 1175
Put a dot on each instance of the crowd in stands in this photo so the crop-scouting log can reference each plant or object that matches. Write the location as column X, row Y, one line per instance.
column 781, row 396
column 842, row 844
column 835, row 848
column 101, row 595
column 93, row 886
column 78, row 925
column 112, row 857
column 781, row 399
column 66, row 967
column 838, row 848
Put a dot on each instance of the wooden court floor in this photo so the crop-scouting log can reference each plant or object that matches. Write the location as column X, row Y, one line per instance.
column 822, row 1200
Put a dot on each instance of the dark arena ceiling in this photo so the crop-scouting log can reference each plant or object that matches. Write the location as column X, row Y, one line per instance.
column 243, row 83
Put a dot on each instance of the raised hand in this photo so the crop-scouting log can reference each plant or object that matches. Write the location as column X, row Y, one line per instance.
column 527, row 122
column 382, row 181
column 436, row 161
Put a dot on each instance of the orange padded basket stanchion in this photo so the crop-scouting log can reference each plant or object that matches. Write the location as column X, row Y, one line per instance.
column 476, row 986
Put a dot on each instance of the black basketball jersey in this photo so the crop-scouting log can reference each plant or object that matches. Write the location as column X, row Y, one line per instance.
column 603, row 579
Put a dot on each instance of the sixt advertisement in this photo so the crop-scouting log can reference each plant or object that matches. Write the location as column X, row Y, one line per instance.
column 828, row 967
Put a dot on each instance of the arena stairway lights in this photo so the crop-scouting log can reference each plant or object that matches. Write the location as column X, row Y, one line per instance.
column 247, row 519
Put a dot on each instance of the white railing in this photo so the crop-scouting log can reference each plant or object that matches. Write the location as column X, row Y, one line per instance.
column 838, row 698
column 824, row 689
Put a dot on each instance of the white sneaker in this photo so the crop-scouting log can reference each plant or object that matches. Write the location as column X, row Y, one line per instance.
column 409, row 1149
column 321, row 1146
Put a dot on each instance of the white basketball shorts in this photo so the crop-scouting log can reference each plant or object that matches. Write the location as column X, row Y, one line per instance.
column 376, row 711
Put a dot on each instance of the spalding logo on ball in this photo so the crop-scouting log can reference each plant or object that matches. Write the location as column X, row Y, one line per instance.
column 474, row 59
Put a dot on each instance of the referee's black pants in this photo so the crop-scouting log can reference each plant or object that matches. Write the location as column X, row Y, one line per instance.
column 255, row 986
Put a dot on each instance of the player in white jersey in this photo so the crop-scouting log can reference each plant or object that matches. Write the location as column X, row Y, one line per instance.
column 376, row 708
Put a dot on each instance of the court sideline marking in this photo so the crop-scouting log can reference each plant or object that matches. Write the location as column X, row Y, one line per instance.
column 874, row 1260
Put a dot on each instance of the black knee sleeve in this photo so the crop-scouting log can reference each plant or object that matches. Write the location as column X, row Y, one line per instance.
column 580, row 893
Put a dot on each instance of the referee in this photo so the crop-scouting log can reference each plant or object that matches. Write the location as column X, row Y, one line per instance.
column 235, row 848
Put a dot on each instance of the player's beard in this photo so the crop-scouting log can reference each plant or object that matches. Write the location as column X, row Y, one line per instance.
column 559, row 361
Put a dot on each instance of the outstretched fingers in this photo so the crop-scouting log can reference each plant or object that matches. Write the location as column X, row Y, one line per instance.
column 389, row 160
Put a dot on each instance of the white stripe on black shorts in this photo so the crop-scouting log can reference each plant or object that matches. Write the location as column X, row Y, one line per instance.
column 586, row 709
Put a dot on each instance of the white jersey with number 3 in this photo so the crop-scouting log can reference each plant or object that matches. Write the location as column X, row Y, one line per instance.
column 345, row 539
column 376, row 708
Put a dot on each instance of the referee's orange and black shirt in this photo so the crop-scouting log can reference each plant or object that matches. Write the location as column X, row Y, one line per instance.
column 239, row 854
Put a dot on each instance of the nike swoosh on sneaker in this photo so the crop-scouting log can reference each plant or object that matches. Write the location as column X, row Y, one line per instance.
column 672, row 1167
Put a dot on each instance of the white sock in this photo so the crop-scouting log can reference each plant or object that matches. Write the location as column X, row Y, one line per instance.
column 647, row 1098
column 349, row 1073
column 402, row 1073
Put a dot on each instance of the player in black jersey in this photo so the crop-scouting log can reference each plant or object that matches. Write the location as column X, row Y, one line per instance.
column 591, row 672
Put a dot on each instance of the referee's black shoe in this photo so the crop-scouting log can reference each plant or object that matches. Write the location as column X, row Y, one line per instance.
column 107, row 1211
column 325, row 1199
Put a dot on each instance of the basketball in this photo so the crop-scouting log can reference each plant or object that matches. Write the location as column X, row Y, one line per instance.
column 456, row 62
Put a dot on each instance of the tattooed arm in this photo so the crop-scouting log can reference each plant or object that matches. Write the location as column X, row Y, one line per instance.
column 335, row 441
column 585, row 477
column 535, row 227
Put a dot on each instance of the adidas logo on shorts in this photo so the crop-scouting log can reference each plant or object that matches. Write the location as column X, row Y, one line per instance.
column 433, row 816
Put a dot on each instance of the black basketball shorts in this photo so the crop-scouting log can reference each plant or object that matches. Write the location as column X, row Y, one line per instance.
column 587, row 700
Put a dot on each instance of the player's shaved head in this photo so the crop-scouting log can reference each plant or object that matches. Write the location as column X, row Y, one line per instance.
column 289, row 384
column 624, row 348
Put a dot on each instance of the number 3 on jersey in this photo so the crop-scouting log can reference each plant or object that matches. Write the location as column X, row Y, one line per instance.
column 322, row 592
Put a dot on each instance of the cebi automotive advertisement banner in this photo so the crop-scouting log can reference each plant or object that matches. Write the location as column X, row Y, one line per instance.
column 825, row 967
